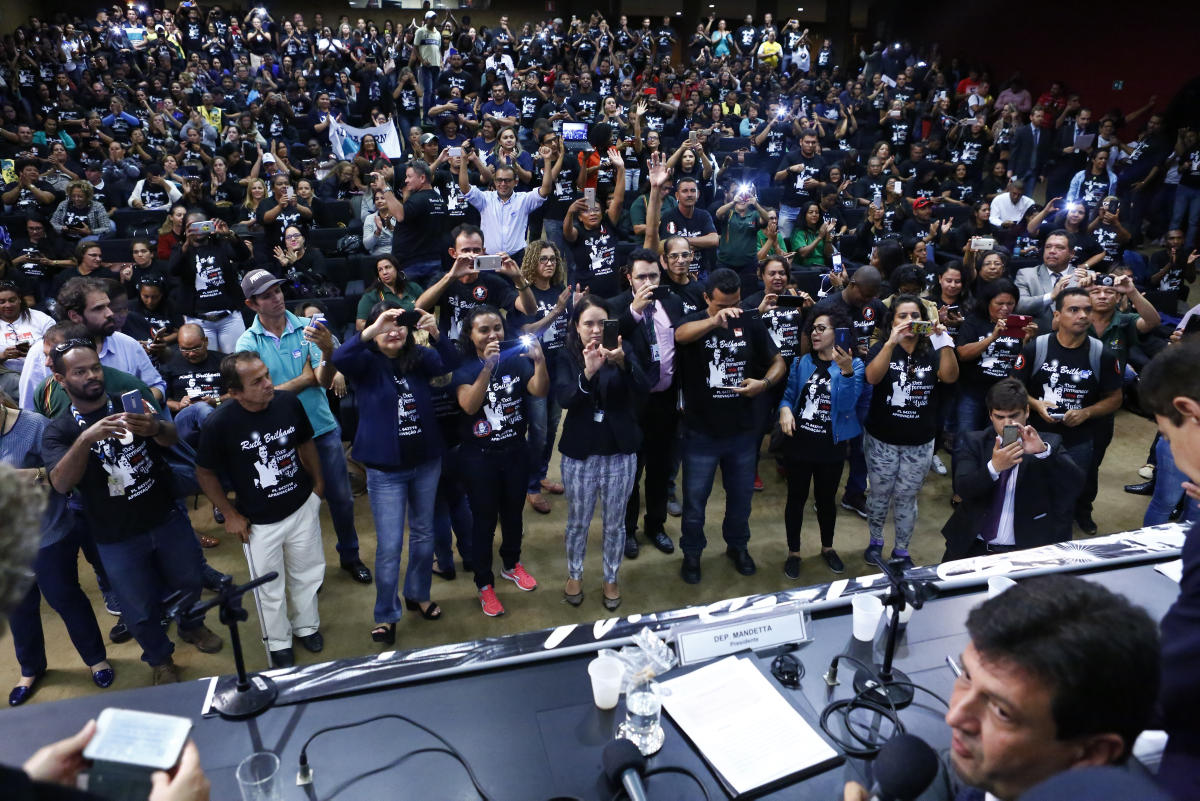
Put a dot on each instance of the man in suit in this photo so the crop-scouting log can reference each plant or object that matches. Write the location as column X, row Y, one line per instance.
column 1013, row 495
column 1170, row 389
column 647, row 318
column 1060, row 674
column 1068, row 157
column 1030, row 151
column 1040, row 285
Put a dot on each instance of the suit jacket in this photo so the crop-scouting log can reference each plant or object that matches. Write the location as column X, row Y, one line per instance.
column 616, row 393
column 1024, row 158
column 1069, row 163
column 633, row 332
column 1046, row 490
column 1033, row 283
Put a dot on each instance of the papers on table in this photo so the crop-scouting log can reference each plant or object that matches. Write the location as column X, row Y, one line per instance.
column 1172, row 570
column 743, row 727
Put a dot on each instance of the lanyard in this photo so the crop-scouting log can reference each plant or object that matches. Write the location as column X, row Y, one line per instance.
column 105, row 449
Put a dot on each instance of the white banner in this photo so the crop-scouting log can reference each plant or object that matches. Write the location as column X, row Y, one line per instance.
column 346, row 139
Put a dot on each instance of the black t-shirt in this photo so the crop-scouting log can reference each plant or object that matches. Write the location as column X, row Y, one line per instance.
column 564, row 191
column 460, row 298
column 126, row 484
column 595, row 260
column 903, row 409
column 421, row 237
column 500, row 423
column 258, row 453
column 674, row 223
column 863, row 318
column 813, row 413
column 691, row 294
column 997, row 360
column 289, row 216
column 783, row 324
column 794, row 193
column 187, row 380
column 553, row 336
column 1065, row 381
column 458, row 209
column 711, row 365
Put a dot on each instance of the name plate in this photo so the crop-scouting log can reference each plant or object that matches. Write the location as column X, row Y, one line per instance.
column 786, row 624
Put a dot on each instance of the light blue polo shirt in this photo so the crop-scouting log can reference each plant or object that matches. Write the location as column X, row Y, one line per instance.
column 284, row 357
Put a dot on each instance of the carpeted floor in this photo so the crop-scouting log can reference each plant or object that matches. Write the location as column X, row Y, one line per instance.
column 651, row 582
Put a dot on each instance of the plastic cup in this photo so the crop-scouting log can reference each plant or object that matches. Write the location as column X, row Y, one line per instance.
column 606, row 674
column 998, row 584
column 867, row 609
column 258, row 777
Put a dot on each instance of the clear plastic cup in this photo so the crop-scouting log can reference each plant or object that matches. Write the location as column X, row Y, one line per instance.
column 606, row 674
column 867, row 610
column 258, row 777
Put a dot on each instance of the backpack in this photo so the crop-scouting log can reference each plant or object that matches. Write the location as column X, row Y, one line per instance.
column 1042, row 344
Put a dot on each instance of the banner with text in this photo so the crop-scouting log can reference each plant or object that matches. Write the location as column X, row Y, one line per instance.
column 346, row 139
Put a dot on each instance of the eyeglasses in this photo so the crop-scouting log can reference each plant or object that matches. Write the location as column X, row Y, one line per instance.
column 820, row 329
column 70, row 344
column 547, row 259
column 504, row 180
column 193, row 348
column 292, row 236
column 684, row 256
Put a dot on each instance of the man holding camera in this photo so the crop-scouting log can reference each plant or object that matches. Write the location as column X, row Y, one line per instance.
column 420, row 214
column 207, row 268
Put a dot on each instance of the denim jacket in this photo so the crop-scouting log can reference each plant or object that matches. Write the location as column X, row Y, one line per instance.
column 843, row 392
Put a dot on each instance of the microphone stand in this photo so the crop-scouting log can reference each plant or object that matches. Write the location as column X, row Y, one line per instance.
column 888, row 684
column 248, row 694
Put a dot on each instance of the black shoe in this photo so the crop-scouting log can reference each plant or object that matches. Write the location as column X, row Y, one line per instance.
column 741, row 561
column 358, row 571
column 1087, row 524
column 791, row 567
column 856, row 503
column 283, row 658
column 19, row 695
column 632, row 549
column 1145, row 488
column 120, row 633
column 690, row 569
column 212, row 578
column 662, row 542
column 906, row 562
column 448, row 575
column 834, row 561
column 217, row 516
column 313, row 643
column 873, row 555
column 104, row 677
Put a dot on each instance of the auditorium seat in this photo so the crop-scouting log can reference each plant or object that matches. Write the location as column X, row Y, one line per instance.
column 119, row 250
column 334, row 213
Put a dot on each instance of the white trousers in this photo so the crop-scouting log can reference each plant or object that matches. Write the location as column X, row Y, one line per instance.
column 292, row 548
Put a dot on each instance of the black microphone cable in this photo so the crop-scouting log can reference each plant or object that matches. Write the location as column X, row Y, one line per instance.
column 620, row 793
column 305, row 774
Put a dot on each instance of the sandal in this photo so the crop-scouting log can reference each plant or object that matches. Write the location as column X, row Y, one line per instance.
column 447, row 574
column 384, row 633
column 553, row 487
column 539, row 504
column 431, row 612
column 611, row 604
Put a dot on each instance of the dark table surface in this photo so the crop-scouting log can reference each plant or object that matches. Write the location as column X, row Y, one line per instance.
column 530, row 731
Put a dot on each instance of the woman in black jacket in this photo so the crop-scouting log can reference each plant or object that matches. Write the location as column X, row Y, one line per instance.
column 600, row 389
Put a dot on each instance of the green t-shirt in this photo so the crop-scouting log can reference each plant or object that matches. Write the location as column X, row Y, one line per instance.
column 737, row 249
column 802, row 238
column 637, row 212
column 372, row 296
column 1120, row 335
column 50, row 400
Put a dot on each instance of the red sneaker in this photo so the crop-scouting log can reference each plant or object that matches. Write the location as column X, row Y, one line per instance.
column 758, row 485
column 490, row 603
column 519, row 576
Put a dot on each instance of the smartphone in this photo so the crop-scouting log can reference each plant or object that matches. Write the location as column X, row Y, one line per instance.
column 952, row 309
column 660, row 293
column 843, row 338
column 589, row 195
column 1014, row 324
column 981, row 243
column 455, row 152
column 1010, row 435
column 485, row 263
column 837, row 262
column 409, row 318
column 924, row 327
column 789, row 302
column 291, row 193
column 131, row 402
column 318, row 320
column 1112, row 206
column 202, row 227
column 612, row 330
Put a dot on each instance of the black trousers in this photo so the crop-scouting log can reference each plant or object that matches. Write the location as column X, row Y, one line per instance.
column 1101, row 439
column 495, row 484
column 660, row 420
column 824, row 477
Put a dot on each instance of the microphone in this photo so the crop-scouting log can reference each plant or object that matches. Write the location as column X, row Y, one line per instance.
column 624, row 764
column 906, row 765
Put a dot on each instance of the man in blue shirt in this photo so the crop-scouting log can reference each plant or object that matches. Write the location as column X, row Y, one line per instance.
column 500, row 109
column 297, row 353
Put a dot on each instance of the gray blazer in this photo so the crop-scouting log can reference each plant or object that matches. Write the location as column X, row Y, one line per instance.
column 1034, row 283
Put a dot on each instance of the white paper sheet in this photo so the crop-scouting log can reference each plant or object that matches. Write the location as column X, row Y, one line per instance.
column 741, row 724
column 1172, row 570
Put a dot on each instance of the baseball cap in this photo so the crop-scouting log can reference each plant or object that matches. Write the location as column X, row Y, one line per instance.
column 922, row 203
column 268, row 158
column 427, row 138
column 257, row 282
column 430, row 15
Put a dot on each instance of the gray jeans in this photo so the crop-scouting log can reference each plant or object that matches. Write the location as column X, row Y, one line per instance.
column 896, row 473
column 608, row 479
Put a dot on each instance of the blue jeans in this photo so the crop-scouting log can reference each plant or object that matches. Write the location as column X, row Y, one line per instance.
column 428, row 77
column 787, row 219
column 337, row 493
column 544, row 414
column 392, row 492
column 57, row 569
column 222, row 334
column 190, row 419
column 424, row 272
column 1167, row 490
column 737, row 456
column 1186, row 214
column 971, row 415
column 146, row 568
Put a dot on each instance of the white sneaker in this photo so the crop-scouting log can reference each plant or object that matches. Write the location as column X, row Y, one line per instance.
column 1146, row 471
column 938, row 465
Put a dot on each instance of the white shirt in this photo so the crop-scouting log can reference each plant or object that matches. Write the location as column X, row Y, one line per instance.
column 28, row 328
column 1004, row 531
column 118, row 351
column 504, row 222
column 1004, row 210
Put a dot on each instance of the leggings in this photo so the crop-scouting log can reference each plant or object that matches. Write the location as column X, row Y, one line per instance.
column 495, row 484
column 897, row 473
column 825, row 477
column 609, row 480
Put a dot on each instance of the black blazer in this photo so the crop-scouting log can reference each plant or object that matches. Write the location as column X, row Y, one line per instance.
column 633, row 332
column 1069, row 163
column 1023, row 158
column 1046, row 491
column 618, row 393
